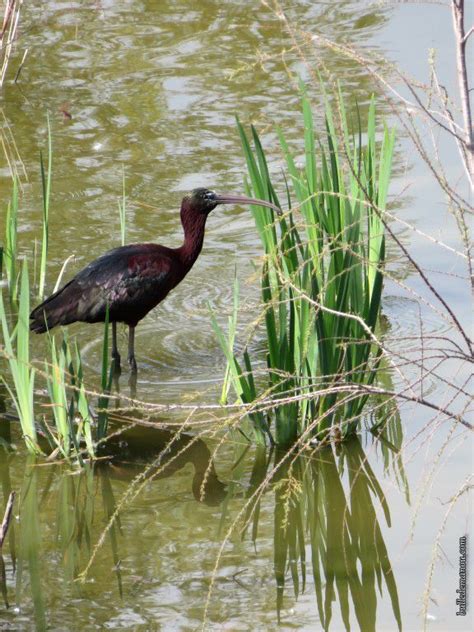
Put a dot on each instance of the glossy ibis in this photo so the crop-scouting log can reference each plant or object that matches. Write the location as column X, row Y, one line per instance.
column 132, row 280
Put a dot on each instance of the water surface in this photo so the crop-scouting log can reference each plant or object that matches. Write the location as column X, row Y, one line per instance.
column 151, row 90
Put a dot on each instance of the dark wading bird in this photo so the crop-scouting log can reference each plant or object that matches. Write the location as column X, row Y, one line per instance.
column 132, row 280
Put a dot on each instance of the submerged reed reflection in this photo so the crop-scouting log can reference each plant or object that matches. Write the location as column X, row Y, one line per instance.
column 82, row 503
column 326, row 528
column 326, row 505
column 30, row 567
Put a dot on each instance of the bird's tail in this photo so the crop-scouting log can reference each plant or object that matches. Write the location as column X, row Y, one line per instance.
column 58, row 309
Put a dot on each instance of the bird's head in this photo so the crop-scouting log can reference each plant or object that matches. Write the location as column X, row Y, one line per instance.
column 205, row 200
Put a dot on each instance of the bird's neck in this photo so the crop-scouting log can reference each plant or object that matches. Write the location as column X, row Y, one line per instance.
column 194, row 224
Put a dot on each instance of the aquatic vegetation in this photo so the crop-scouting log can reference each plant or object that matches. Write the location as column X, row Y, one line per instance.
column 323, row 501
column 73, row 432
column 57, row 388
column 10, row 246
column 67, row 397
column 349, row 562
column 17, row 352
column 9, row 250
column 309, row 507
column 107, row 375
column 46, row 188
column 122, row 208
column 69, row 401
column 81, row 503
column 322, row 279
column 30, row 561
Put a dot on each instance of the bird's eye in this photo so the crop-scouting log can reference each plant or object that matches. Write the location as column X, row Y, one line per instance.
column 209, row 195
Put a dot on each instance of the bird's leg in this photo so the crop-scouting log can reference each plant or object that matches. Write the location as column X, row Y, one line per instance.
column 115, row 352
column 131, row 349
column 132, row 382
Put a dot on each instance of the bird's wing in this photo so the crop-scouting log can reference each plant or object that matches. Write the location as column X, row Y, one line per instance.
column 125, row 278
column 129, row 280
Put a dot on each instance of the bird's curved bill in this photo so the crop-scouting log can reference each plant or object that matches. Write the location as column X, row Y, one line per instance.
column 227, row 198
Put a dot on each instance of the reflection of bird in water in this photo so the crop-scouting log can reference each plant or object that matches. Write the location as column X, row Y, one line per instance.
column 133, row 450
column 129, row 281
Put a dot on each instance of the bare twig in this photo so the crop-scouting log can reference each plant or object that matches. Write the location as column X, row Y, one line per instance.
column 8, row 34
column 20, row 67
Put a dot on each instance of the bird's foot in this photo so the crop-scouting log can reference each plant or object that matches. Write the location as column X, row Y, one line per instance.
column 133, row 363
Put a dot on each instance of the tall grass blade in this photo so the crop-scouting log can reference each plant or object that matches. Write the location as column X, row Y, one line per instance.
column 106, row 383
column 10, row 253
column 46, row 185
column 83, row 408
column 122, row 207
column 56, row 381
column 22, row 373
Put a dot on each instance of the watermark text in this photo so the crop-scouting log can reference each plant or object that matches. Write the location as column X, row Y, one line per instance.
column 461, row 601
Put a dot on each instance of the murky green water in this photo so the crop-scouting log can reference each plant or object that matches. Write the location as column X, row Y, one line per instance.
column 152, row 89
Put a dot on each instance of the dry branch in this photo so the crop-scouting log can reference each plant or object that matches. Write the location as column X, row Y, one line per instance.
column 8, row 34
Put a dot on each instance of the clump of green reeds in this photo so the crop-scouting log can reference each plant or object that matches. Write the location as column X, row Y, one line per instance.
column 67, row 397
column 322, row 277
column 73, row 422
column 17, row 351
column 72, row 433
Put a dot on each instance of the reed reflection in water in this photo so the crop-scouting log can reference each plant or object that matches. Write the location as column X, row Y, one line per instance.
column 326, row 509
column 325, row 525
